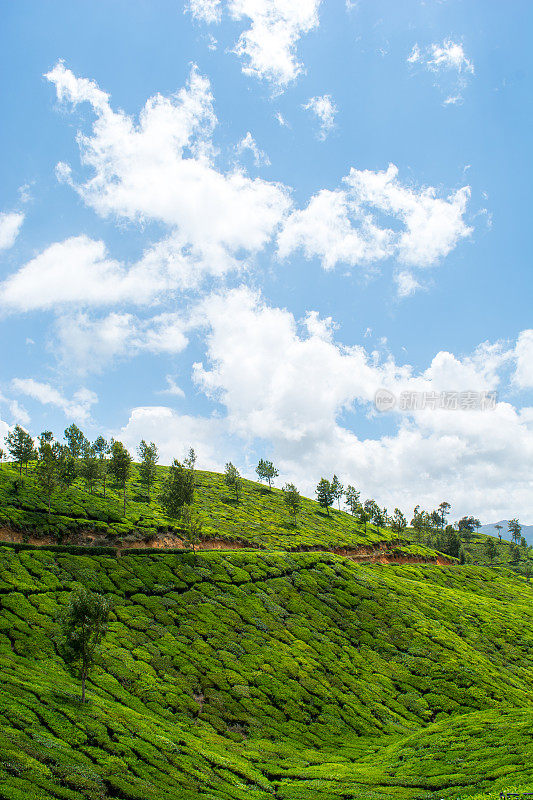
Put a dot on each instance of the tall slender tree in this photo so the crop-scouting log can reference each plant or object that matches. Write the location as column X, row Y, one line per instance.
column 352, row 498
column 178, row 489
column 20, row 446
column 102, row 449
column 515, row 529
column 324, row 494
column 75, row 440
column 444, row 509
column 47, row 470
column 499, row 529
column 292, row 499
column 338, row 490
column 232, row 479
column 149, row 456
column 120, row 467
column 266, row 471
column 83, row 625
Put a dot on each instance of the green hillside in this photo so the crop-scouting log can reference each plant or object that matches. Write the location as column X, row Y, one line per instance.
column 267, row 675
column 258, row 519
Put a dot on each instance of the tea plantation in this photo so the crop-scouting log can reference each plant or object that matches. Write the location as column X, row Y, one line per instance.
column 258, row 519
column 269, row 675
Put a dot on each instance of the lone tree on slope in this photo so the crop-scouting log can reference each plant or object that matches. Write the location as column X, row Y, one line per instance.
column 338, row 490
column 444, row 509
column 490, row 549
column 232, row 479
column 292, row 499
column 20, row 445
column 352, row 498
column 178, row 489
column 120, row 467
column 399, row 523
column 499, row 529
column 192, row 527
column 324, row 494
column 102, row 449
column 149, row 457
column 83, row 626
column 266, row 471
column 515, row 529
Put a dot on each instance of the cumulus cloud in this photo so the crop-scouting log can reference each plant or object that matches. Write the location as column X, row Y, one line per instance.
column 267, row 47
column 208, row 11
column 344, row 225
column 10, row 225
column 161, row 169
column 294, row 388
column 523, row 376
column 324, row 110
column 174, row 433
column 77, row 408
column 85, row 344
column 450, row 65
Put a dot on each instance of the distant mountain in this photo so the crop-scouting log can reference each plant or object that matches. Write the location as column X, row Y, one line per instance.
column 527, row 531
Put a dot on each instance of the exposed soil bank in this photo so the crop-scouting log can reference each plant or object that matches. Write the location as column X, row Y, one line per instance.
column 379, row 553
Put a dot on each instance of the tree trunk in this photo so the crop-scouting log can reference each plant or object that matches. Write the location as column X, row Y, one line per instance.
column 105, row 476
column 124, row 499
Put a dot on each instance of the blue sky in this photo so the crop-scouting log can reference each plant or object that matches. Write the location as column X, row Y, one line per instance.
column 319, row 200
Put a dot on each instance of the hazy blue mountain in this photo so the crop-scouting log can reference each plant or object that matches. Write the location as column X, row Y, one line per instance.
column 527, row 530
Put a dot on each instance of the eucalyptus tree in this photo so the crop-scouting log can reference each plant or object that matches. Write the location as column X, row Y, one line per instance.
column 83, row 626
column 352, row 498
column 292, row 499
column 324, row 494
column 120, row 467
column 338, row 490
column 149, row 456
column 232, row 479
column 266, row 471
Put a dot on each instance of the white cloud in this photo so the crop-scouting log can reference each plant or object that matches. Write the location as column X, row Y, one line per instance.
column 415, row 55
column 175, row 433
column 406, row 282
column 248, row 143
column 10, row 224
column 324, row 110
column 19, row 414
column 344, row 226
column 78, row 271
column 523, row 376
column 281, row 119
column 448, row 55
column 449, row 64
column 268, row 46
column 84, row 344
column 77, row 408
column 208, row 11
column 325, row 229
column 294, row 392
column 161, row 169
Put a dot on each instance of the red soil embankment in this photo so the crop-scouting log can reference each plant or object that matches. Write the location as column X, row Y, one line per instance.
column 365, row 554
